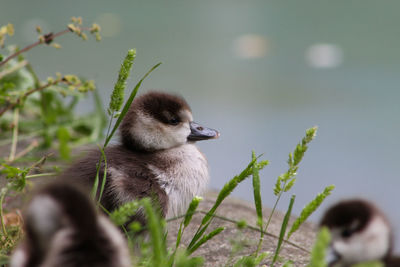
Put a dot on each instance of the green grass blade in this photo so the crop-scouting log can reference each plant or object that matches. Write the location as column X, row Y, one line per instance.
column 198, row 234
column 286, row 180
column 95, row 187
column 318, row 253
column 369, row 264
column 96, row 180
column 250, row 261
column 283, row 228
column 185, row 222
column 309, row 209
column 156, row 233
column 183, row 260
column 103, row 182
column 257, row 193
column 228, row 188
column 225, row 192
column 123, row 213
column 288, row 263
column 117, row 96
column 179, row 237
column 128, row 104
column 64, row 138
column 205, row 238
column 191, row 210
column 258, row 203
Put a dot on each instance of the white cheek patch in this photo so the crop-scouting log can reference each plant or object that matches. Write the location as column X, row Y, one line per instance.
column 176, row 135
column 372, row 243
column 154, row 135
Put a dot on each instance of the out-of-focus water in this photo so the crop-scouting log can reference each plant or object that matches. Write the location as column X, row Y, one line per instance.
column 261, row 72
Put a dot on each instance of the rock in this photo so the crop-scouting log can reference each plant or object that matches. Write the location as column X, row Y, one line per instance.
column 217, row 251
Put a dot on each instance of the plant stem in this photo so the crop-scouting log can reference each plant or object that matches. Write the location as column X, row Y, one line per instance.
column 40, row 175
column 29, row 47
column 269, row 220
column 12, row 105
column 31, row 146
column 3, row 226
column 22, row 153
column 108, row 130
column 15, row 135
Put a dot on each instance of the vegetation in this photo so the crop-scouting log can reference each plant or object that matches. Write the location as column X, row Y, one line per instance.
column 38, row 114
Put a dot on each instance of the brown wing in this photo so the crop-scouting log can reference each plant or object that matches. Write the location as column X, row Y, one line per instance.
column 128, row 177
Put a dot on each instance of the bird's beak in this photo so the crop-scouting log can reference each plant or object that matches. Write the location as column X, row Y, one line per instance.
column 198, row 132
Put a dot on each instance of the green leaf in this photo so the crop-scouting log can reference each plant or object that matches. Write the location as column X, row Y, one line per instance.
column 10, row 171
column 250, row 261
column 283, row 228
column 156, row 230
column 288, row 263
column 179, row 236
column 369, row 264
column 123, row 213
column 191, row 210
column 15, row 176
column 183, row 260
column 205, row 238
column 198, row 234
column 228, row 188
column 63, row 139
column 257, row 192
column 103, row 182
column 318, row 253
column 224, row 193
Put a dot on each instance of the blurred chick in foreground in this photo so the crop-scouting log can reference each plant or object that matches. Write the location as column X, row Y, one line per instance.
column 63, row 229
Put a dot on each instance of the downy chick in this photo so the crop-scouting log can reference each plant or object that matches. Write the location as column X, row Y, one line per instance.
column 360, row 233
column 62, row 228
column 156, row 158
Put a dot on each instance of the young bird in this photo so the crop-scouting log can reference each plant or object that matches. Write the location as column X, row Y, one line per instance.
column 156, row 158
column 360, row 233
column 62, row 228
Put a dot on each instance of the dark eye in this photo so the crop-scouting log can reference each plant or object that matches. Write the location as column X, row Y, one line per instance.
column 174, row 121
column 346, row 233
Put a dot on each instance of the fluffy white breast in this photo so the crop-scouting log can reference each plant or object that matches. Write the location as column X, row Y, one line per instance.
column 186, row 178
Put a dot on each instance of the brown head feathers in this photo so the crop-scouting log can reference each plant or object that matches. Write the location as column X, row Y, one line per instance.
column 152, row 112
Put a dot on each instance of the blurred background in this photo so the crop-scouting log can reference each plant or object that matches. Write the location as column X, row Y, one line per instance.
column 261, row 72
